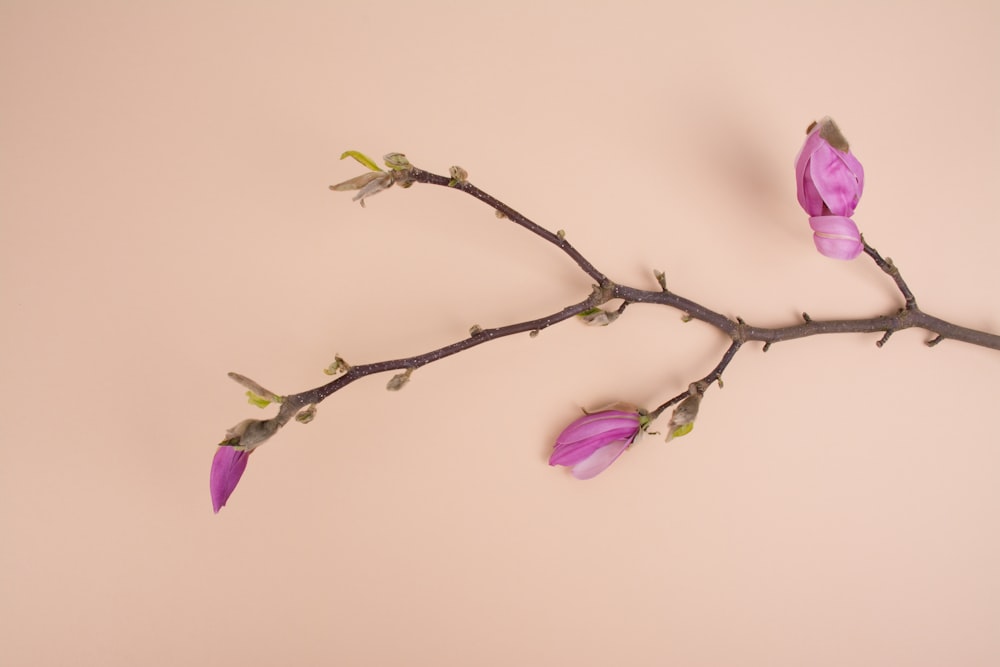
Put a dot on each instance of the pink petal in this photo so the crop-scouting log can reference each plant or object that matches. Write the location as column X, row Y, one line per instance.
column 836, row 237
column 584, row 436
column 604, row 422
column 835, row 180
column 854, row 166
column 227, row 468
column 571, row 453
column 809, row 197
column 597, row 462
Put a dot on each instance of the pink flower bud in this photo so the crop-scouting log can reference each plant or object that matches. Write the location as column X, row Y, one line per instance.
column 227, row 468
column 828, row 177
column 836, row 236
column 594, row 441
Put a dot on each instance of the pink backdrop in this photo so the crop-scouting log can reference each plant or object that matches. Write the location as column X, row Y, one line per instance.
column 165, row 218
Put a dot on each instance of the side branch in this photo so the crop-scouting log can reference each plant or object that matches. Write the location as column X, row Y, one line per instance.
column 704, row 383
column 421, row 176
column 889, row 268
column 479, row 337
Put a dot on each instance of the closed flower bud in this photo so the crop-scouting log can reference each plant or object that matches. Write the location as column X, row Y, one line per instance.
column 829, row 179
column 227, row 468
column 232, row 454
column 594, row 441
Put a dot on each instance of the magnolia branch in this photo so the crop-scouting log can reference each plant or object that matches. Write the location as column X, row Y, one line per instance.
column 910, row 316
column 251, row 433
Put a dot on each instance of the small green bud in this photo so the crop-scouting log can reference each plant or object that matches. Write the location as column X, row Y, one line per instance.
column 399, row 380
column 458, row 175
column 396, row 161
column 338, row 366
column 307, row 415
column 682, row 419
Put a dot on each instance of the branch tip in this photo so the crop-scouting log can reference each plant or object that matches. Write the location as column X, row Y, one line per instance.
column 338, row 366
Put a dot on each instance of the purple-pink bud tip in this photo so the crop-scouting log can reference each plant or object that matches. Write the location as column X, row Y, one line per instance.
column 227, row 468
column 829, row 182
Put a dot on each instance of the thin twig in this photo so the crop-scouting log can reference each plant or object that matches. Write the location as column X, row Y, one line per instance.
column 421, row 176
column 889, row 267
column 705, row 382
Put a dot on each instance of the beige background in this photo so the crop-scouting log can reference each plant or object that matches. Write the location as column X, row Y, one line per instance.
column 166, row 219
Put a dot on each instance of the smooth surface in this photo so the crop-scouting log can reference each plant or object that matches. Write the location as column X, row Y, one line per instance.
column 165, row 218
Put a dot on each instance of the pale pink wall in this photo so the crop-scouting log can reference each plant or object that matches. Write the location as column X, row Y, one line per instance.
column 165, row 218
